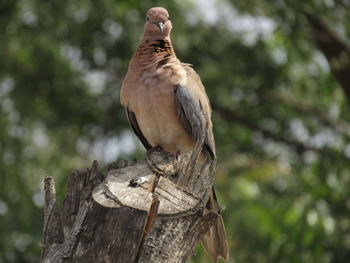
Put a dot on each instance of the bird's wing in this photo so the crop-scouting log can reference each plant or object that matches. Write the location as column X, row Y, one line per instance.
column 133, row 123
column 193, row 109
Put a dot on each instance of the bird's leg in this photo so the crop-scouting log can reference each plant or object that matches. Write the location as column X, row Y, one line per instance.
column 151, row 164
column 154, row 149
column 156, row 169
column 153, row 167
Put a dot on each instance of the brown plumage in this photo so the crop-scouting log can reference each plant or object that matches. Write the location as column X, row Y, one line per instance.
column 167, row 106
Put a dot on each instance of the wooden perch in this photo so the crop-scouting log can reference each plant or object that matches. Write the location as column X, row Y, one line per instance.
column 131, row 215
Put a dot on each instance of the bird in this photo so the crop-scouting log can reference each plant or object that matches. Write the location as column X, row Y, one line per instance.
column 167, row 106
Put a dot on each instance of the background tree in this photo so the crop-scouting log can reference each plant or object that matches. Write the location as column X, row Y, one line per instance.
column 275, row 72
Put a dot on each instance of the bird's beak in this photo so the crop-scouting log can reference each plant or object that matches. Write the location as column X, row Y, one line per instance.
column 160, row 25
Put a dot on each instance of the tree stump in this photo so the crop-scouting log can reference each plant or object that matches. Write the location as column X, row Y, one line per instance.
column 133, row 214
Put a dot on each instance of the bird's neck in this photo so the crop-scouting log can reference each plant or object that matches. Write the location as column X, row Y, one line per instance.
column 151, row 52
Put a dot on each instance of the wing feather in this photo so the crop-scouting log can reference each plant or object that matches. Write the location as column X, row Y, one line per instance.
column 191, row 114
column 133, row 123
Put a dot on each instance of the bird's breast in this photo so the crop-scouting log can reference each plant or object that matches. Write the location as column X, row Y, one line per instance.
column 158, row 120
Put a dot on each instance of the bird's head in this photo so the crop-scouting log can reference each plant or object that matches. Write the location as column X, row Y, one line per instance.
column 158, row 25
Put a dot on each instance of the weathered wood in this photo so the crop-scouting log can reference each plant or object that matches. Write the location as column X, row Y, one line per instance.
column 128, row 222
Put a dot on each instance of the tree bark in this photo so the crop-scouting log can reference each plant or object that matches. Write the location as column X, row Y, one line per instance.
column 133, row 214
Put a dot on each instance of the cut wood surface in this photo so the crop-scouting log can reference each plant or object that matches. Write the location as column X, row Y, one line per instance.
column 118, row 218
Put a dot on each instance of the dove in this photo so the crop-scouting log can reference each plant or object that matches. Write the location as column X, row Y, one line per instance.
column 167, row 106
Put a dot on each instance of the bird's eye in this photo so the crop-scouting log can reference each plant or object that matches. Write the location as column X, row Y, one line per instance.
column 147, row 18
column 168, row 17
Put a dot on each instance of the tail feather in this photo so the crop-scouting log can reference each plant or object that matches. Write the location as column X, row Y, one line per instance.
column 215, row 241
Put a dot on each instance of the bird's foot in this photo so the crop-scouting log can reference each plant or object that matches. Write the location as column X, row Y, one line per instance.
column 177, row 154
column 156, row 148
column 153, row 166
column 151, row 163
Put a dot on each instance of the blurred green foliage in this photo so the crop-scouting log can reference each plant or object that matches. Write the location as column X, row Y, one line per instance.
column 280, row 116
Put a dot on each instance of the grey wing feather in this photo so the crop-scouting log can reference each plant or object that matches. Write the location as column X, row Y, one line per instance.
column 134, row 125
column 190, row 112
